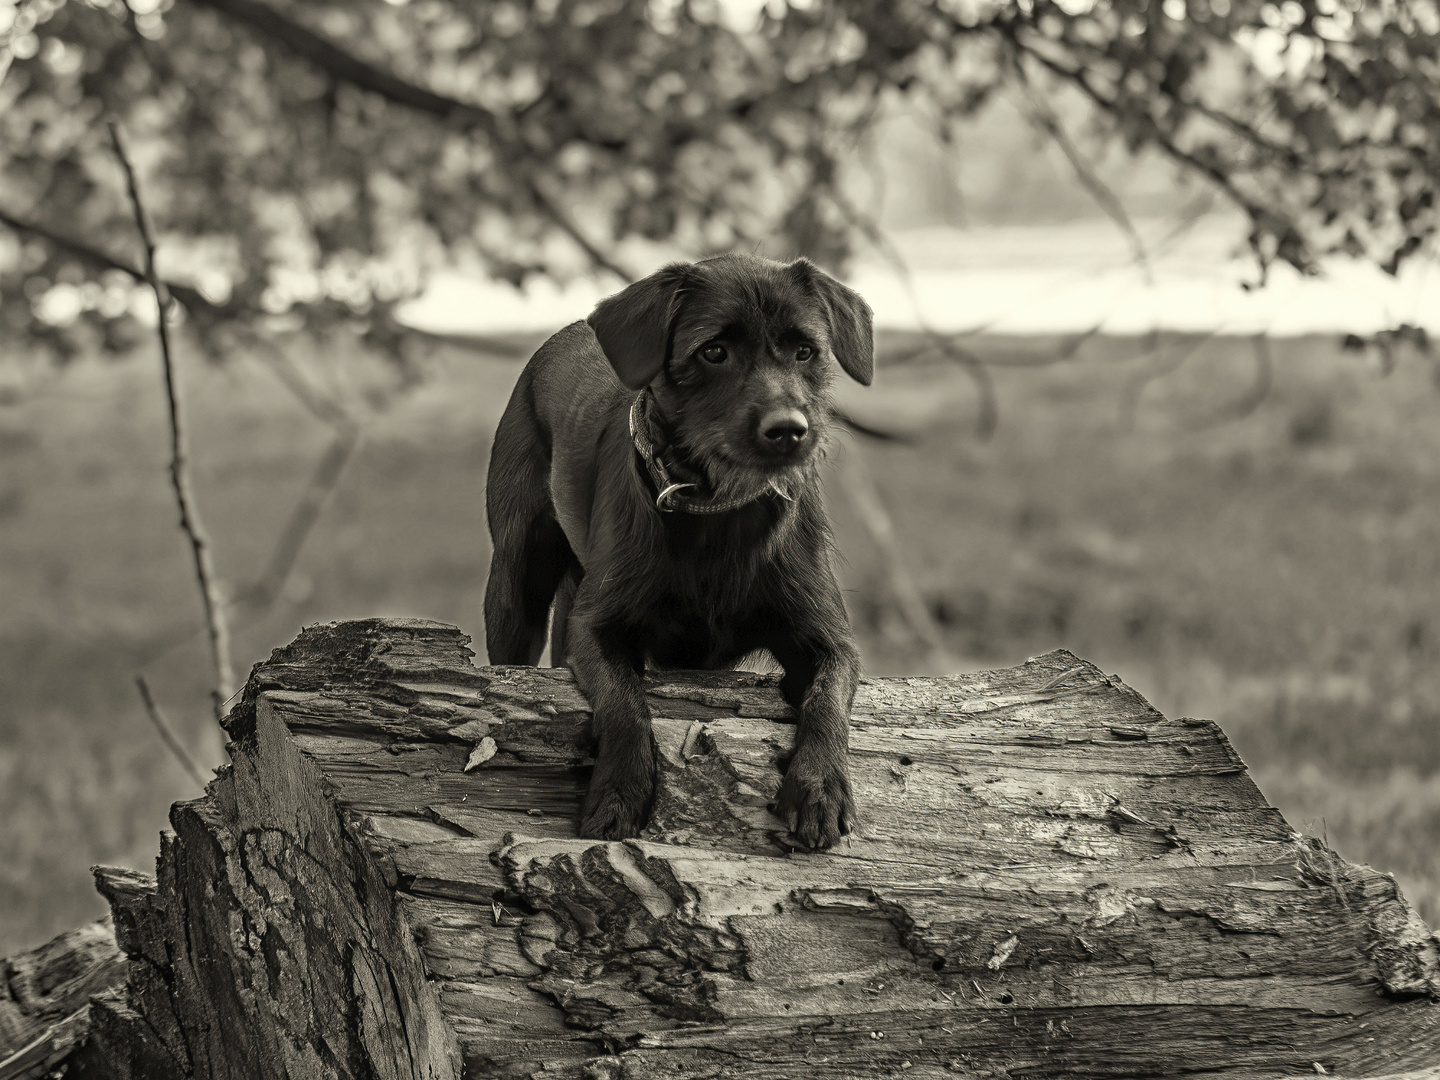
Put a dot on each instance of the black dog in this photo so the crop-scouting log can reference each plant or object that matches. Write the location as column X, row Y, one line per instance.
column 655, row 476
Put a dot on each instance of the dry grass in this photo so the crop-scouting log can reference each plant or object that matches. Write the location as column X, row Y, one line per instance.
column 1277, row 572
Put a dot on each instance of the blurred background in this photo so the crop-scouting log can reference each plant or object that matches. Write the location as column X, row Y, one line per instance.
column 1101, row 434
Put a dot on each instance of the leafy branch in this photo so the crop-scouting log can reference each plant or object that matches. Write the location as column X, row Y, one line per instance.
column 1266, row 221
column 346, row 67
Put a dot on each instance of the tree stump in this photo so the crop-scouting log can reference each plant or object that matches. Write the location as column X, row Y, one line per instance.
column 1052, row 880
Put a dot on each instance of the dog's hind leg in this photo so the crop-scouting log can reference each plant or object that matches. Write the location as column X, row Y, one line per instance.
column 560, row 621
column 530, row 552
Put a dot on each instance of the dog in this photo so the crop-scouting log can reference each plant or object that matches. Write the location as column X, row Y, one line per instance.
column 655, row 476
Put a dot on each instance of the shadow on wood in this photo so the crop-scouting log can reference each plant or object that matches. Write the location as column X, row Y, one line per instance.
column 1052, row 880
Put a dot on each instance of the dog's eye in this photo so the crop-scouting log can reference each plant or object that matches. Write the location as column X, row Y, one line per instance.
column 803, row 353
column 713, row 354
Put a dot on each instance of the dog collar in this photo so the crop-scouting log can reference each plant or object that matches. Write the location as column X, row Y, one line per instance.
column 669, row 497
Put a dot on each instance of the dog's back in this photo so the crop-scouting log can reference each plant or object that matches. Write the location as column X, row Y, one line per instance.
column 554, row 436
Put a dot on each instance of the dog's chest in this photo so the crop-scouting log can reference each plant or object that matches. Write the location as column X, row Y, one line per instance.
column 705, row 596
column 686, row 630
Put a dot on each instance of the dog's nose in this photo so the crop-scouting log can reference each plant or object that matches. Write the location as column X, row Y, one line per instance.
column 784, row 429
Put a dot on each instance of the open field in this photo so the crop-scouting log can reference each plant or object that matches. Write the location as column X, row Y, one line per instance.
column 1270, row 560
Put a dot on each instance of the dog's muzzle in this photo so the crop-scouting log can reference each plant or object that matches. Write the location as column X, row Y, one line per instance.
column 669, row 498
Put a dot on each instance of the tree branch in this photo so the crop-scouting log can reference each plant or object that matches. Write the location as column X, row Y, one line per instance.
column 344, row 66
column 325, row 54
column 319, row 404
column 1264, row 379
column 570, row 229
column 195, row 301
column 187, row 295
column 215, row 620
column 157, row 718
column 1258, row 213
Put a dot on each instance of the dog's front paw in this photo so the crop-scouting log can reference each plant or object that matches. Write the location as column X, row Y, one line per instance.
column 621, row 791
column 815, row 801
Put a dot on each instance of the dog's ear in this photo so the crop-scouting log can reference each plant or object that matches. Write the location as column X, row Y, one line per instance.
column 852, row 332
column 633, row 326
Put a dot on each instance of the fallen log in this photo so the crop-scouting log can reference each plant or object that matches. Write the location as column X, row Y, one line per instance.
column 45, row 998
column 1052, row 880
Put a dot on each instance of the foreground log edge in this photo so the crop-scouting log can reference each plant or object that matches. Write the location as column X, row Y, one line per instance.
column 1052, row 880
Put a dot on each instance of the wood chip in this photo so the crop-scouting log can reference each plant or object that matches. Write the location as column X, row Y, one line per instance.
column 484, row 750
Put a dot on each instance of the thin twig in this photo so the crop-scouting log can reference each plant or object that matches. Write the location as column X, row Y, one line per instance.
column 215, row 620
column 988, row 409
column 260, row 595
column 1133, row 390
column 561, row 220
column 1044, row 118
column 318, row 403
column 1061, row 679
column 845, row 420
column 1255, row 394
column 317, row 494
column 152, row 710
column 859, row 485
column 1264, row 379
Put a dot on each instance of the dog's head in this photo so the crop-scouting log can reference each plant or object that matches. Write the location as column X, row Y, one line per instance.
column 739, row 352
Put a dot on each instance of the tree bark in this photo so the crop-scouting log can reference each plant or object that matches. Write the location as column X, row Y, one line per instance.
column 1051, row 880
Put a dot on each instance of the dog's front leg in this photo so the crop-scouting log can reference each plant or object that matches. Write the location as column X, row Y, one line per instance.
column 815, row 800
column 608, row 663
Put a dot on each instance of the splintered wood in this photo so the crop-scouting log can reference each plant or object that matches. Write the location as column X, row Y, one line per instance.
column 1051, row 880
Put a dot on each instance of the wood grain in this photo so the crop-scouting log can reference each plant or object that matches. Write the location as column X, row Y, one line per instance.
column 1051, row 880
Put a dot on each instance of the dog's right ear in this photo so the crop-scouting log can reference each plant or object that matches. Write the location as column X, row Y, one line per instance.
column 633, row 326
column 852, row 330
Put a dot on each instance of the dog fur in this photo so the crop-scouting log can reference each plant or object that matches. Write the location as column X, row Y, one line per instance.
column 718, row 351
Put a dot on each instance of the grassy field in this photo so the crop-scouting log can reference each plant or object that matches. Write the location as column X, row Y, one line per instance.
column 1269, row 561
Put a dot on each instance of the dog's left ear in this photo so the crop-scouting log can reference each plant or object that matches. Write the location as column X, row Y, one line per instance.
column 633, row 326
column 852, row 333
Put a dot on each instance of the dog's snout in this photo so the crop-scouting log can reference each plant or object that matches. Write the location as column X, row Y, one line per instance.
column 784, row 429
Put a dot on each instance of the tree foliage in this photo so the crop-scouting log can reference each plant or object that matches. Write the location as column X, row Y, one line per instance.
column 309, row 162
